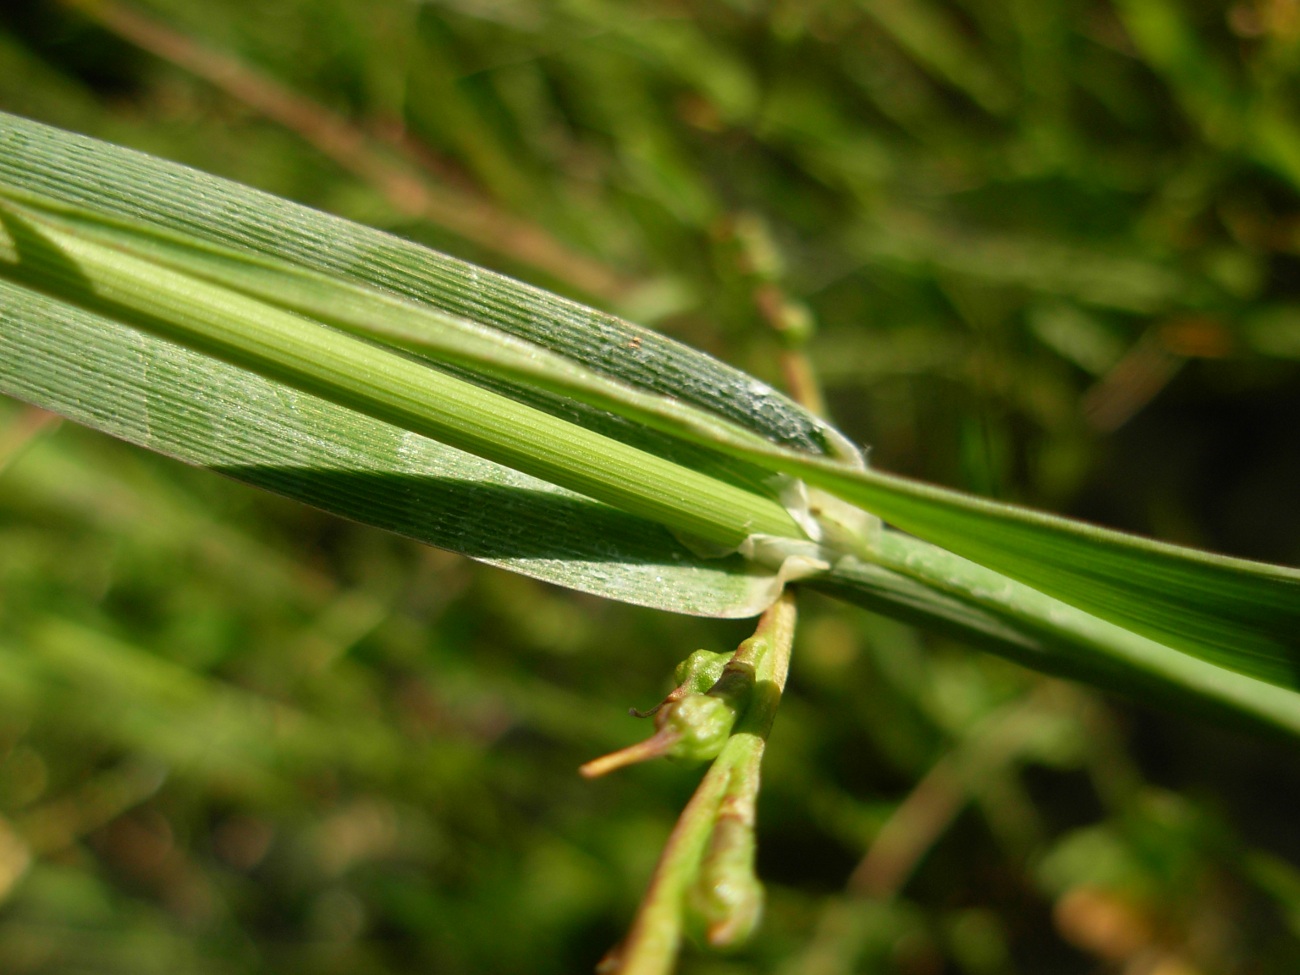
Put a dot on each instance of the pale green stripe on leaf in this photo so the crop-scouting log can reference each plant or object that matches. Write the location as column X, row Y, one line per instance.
column 382, row 383
column 440, row 336
column 96, row 178
column 185, row 404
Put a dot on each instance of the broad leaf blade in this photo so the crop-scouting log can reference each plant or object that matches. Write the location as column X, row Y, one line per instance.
column 378, row 380
column 98, row 356
column 187, row 405
column 1233, row 613
column 98, row 178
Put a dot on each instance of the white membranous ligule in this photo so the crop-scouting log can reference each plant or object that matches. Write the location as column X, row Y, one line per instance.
column 836, row 530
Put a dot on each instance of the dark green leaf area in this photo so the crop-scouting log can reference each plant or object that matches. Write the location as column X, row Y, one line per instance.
column 182, row 403
column 104, row 179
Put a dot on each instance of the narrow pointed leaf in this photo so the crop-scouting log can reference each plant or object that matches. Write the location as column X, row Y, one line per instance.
column 913, row 580
column 185, row 404
column 1232, row 612
column 111, row 207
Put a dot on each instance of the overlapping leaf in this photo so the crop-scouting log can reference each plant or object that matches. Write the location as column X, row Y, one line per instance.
column 74, row 344
column 100, row 207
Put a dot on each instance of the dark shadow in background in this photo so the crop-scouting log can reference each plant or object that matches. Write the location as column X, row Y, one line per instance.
column 75, row 46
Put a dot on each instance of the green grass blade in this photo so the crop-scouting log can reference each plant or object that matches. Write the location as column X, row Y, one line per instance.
column 442, row 337
column 224, row 250
column 382, row 383
column 918, row 582
column 182, row 403
column 96, row 178
column 1234, row 613
column 117, row 352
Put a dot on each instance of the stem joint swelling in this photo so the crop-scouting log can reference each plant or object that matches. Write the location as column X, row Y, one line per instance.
column 705, row 884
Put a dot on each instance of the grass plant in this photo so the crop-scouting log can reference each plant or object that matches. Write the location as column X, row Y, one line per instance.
column 372, row 377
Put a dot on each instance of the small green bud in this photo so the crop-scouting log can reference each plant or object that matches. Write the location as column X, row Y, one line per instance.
column 693, row 722
column 700, row 725
column 700, row 671
column 727, row 898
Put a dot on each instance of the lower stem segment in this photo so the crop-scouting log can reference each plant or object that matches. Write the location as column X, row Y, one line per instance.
column 701, row 853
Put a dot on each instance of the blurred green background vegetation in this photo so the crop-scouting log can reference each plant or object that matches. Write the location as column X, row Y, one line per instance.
column 1052, row 252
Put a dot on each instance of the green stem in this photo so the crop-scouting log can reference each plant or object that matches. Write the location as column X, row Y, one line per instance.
column 729, row 789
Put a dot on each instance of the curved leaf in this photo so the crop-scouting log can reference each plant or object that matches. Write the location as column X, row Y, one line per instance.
column 109, row 207
column 915, row 581
column 98, row 178
column 180, row 402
